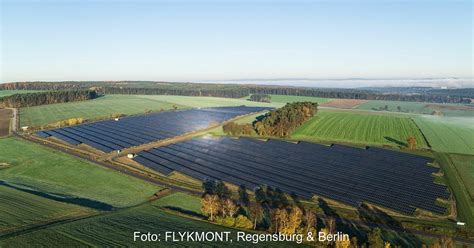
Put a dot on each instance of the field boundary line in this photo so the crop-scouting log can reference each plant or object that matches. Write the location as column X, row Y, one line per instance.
column 422, row 133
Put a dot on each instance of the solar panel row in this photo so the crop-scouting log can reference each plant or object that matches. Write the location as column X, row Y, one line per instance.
column 113, row 135
column 400, row 181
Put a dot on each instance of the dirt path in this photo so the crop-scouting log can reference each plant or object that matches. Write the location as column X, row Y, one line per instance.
column 14, row 122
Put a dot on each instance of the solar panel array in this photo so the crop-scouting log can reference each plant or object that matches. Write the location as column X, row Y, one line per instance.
column 131, row 131
column 400, row 181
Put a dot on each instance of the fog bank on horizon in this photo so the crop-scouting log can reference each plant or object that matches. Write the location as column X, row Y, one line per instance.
column 356, row 83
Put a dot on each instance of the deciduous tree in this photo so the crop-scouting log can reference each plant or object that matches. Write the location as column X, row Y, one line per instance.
column 256, row 213
column 229, row 208
column 210, row 205
column 375, row 238
column 411, row 142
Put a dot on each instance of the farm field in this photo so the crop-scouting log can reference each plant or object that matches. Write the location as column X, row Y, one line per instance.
column 244, row 120
column 448, row 134
column 181, row 202
column 205, row 102
column 55, row 173
column 283, row 99
column 117, row 229
column 12, row 92
column 5, row 116
column 465, row 167
column 449, row 110
column 22, row 209
column 459, row 172
column 453, row 110
column 102, row 107
column 343, row 103
column 359, row 128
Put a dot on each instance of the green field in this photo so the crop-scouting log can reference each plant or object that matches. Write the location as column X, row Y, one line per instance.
column 12, row 92
column 359, row 128
column 285, row 99
column 204, row 102
column 181, row 202
column 448, row 134
column 459, row 171
column 465, row 167
column 101, row 107
column 416, row 108
column 244, row 120
column 20, row 209
column 53, row 172
column 116, row 229
column 104, row 106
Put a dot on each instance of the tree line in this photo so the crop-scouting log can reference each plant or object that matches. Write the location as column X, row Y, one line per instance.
column 47, row 97
column 261, row 98
column 280, row 122
column 272, row 211
column 243, row 90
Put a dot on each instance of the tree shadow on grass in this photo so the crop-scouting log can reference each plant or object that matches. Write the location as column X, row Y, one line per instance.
column 398, row 142
column 184, row 211
column 342, row 225
column 398, row 237
column 84, row 202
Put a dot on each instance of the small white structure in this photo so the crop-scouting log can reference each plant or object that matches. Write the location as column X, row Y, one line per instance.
column 24, row 128
column 130, row 155
column 119, row 151
column 116, row 119
column 459, row 223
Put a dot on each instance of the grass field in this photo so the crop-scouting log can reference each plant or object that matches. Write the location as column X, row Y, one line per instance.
column 181, row 202
column 98, row 108
column 465, row 167
column 20, row 209
column 55, row 173
column 285, row 99
column 12, row 92
column 459, row 172
column 451, row 134
column 117, row 229
column 448, row 110
column 360, row 128
column 204, row 102
column 247, row 119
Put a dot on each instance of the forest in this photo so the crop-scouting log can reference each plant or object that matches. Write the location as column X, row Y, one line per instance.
column 281, row 122
column 47, row 97
column 243, row 90
column 260, row 98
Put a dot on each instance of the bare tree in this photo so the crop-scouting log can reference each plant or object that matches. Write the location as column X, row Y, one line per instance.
column 256, row 214
column 229, row 208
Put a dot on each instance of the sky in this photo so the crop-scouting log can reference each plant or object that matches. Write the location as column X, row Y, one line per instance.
column 212, row 41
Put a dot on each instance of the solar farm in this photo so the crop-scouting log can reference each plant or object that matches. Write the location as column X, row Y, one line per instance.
column 132, row 131
column 399, row 181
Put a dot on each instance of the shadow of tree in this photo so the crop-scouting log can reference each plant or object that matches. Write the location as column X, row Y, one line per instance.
column 398, row 142
column 184, row 211
column 342, row 225
column 374, row 216
column 64, row 198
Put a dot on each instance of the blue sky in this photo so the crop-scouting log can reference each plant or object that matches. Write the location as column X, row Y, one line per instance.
column 218, row 40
